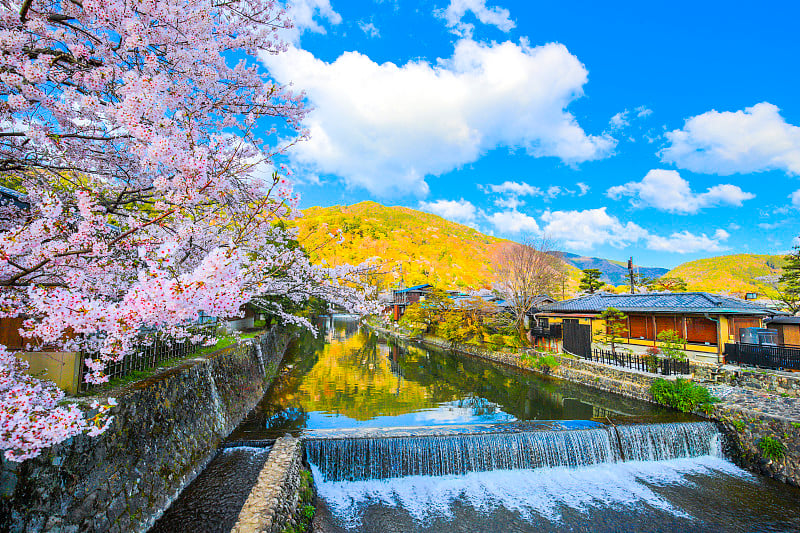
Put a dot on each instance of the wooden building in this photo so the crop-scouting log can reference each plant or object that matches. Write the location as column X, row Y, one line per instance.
column 706, row 321
column 788, row 328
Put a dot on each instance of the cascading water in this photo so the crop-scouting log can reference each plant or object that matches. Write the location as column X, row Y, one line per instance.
column 380, row 458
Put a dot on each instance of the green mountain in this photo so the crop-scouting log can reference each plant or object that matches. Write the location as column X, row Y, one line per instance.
column 411, row 245
column 420, row 247
column 734, row 274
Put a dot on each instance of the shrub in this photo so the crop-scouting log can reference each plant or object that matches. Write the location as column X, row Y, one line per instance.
column 682, row 394
column 543, row 363
column 772, row 448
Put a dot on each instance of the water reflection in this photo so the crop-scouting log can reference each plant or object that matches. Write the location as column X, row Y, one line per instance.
column 349, row 377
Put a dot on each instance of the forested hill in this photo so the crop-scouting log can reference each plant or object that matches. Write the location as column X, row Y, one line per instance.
column 730, row 273
column 420, row 247
column 426, row 248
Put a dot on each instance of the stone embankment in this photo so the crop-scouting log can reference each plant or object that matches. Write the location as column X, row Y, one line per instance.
column 166, row 429
column 755, row 405
column 275, row 502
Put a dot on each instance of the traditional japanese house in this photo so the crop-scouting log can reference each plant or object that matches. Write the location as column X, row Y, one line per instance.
column 705, row 320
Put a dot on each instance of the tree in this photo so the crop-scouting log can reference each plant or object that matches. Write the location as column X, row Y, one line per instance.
column 615, row 330
column 524, row 271
column 672, row 344
column 147, row 194
column 667, row 284
column 590, row 281
column 423, row 316
column 788, row 286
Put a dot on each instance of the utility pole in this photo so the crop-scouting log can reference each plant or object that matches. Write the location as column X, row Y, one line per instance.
column 630, row 273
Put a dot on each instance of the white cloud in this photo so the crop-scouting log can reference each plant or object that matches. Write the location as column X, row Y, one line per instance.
column 369, row 28
column 619, row 121
column 795, row 197
column 516, row 188
column 643, row 112
column 753, row 140
column 668, row 191
column 513, row 222
column 456, row 210
column 386, row 127
column 510, row 202
column 304, row 15
column 583, row 188
column 492, row 16
column 685, row 242
column 589, row 228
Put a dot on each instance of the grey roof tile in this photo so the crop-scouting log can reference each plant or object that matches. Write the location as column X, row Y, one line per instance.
column 678, row 302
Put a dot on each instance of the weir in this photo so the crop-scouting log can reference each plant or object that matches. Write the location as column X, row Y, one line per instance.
column 353, row 459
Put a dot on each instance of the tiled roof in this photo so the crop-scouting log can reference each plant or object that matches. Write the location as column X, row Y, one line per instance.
column 662, row 302
column 415, row 288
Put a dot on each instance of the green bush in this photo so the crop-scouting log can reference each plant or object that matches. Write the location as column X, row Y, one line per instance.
column 772, row 448
column 682, row 394
column 543, row 363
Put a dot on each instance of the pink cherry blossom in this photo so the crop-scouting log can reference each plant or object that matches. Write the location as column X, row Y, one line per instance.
column 131, row 131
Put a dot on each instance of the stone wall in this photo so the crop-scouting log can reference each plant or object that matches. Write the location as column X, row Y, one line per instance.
column 774, row 381
column 747, row 427
column 274, row 501
column 166, row 429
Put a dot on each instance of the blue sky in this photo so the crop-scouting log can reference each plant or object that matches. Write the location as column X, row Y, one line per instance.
column 664, row 130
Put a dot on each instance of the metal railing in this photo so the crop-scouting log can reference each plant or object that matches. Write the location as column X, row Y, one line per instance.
column 764, row 356
column 644, row 363
column 152, row 350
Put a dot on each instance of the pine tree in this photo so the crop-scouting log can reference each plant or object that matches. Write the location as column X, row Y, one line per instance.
column 789, row 282
column 590, row 282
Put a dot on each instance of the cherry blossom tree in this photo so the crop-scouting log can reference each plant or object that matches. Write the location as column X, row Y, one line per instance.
column 132, row 129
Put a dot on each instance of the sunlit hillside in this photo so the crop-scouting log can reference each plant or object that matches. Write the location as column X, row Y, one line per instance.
column 734, row 274
column 413, row 245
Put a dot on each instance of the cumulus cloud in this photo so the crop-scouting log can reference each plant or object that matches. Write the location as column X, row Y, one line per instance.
column 668, row 191
column 589, row 228
column 583, row 188
column 795, row 197
column 491, row 16
column 753, row 140
column 685, row 242
column 456, row 210
column 511, row 192
column 513, row 221
column 386, row 127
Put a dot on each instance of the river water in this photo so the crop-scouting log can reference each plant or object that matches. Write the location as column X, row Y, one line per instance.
column 350, row 382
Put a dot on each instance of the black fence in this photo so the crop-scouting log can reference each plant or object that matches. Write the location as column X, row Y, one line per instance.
column 777, row 357
column 577, row 338
column 644, row 363
column 151, row 351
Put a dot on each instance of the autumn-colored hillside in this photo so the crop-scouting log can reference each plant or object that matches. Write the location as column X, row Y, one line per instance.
column 420, row 247
column 734, row 274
